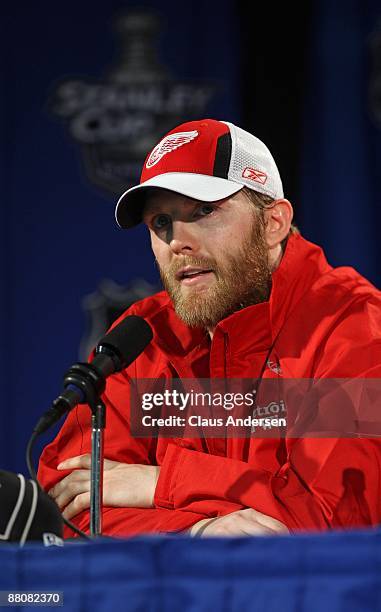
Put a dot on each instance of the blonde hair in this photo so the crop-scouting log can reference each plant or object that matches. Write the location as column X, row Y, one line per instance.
column 261, row 203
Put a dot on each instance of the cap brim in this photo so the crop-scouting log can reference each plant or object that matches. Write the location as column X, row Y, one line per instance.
column 129, row 208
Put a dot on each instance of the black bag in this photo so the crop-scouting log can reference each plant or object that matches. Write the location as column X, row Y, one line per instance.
column 27, row 512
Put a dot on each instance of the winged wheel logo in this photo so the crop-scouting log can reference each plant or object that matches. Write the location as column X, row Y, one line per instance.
column 168, row 144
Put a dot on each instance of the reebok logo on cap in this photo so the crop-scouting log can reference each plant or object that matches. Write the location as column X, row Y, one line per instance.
column 168, row 144
column 255, row 175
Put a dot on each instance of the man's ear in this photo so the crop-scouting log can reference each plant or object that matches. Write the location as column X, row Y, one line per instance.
column 278, row 219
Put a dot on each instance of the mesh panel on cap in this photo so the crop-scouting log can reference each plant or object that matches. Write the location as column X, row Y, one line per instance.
column 250, row 152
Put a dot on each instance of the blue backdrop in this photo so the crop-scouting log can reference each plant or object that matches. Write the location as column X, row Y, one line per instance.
column 340, row 174
column 58, row 237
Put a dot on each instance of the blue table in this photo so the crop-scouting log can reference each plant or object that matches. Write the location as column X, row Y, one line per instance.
column 304, row 573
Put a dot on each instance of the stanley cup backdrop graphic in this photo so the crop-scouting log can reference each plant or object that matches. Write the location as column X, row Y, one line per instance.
column 119, row 118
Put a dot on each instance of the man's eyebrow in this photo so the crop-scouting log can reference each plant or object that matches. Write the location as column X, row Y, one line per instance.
column 151, row 207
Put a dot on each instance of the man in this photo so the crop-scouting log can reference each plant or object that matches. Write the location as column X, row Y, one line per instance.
column 245, row 297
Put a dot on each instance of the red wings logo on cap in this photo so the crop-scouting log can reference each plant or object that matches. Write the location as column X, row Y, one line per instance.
column 168, row 144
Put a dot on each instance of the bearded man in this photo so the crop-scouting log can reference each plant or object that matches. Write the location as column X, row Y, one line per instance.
column 246, row 296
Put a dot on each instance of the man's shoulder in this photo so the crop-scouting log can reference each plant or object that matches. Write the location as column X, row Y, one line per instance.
column 318, row 296
column 345, row 286
column 335, row 328
column 320, row 278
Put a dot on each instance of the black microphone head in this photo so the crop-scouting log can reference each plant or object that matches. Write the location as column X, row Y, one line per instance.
column 27, row 512
column 127, row 340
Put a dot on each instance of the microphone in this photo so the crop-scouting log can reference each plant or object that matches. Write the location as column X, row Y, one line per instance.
column 84, row 382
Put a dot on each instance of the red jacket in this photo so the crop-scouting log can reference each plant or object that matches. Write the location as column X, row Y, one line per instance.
column 321, row 323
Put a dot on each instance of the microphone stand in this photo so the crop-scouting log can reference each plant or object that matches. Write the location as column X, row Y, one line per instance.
column 86, row 377
column 85, row 383
column 98, row 421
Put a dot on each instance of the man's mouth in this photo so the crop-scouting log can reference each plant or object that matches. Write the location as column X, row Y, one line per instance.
column 190, row 275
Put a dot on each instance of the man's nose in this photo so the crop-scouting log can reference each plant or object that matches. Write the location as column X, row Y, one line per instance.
column 184, row 238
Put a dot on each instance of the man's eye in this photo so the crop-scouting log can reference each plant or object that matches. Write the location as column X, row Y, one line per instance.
column 160, row 221
column 205, row 209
